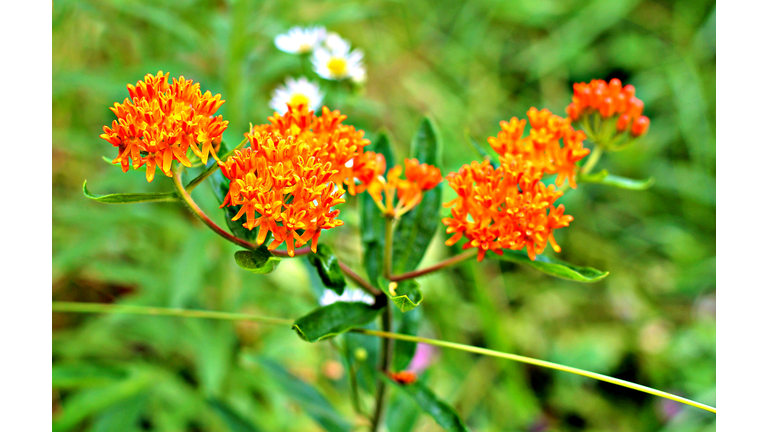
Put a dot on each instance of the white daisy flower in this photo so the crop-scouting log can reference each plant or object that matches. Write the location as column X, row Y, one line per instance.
column 350, row 295
column 338, row 64
column 300, row 40
column 294, row 92
column 336, row 44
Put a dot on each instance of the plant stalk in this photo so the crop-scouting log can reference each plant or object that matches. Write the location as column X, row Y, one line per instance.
column 439, row 266
column 386, row 358
column 592, row 161
column 388, row 222
column 230, row 316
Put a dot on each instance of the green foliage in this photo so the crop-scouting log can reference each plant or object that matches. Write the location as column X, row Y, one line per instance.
column 604, row 178
column 328, row 321
column 130, row 198
column 259, row 261
column 443, row 414
column 405, row 323
column 307, row 397
column 328, row 268
column 553, row 266
column 406, row 294
column 470, row 65
column 415, row 229
column 371, row 220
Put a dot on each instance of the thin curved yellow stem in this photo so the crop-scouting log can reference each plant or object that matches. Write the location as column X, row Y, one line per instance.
column 187, row 313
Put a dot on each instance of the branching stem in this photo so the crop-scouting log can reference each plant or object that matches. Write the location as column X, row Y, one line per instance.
column 433, row 268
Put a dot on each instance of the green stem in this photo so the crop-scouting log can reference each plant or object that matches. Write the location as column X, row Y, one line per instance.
column 157, row 311
column 592, row 161
column 388, row 220
column 439, row 266
column 186, row 313
column 536, row 362
column 386, row 357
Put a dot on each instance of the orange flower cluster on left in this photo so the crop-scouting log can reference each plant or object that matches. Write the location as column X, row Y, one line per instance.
column 293, row 172
column 161, row 120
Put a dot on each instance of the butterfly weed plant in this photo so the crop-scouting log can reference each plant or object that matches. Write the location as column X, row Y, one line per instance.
column 279, row 189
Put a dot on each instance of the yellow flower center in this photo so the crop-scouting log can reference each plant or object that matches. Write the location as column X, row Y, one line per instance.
column 337, row 66
column 305, row 48
column 298, row 98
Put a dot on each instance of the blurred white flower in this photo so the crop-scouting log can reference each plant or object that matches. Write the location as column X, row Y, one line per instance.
column 338, row 64
column 300, row 40
column 350, row 295
column 294, row 92
column 336, row 44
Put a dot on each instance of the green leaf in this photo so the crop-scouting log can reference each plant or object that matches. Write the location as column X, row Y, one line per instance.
column 259, row 261
column 406, row 294
column 371, row 220
column 415, row 229
column 234, row 421
column 90, row 401
column 220, row 186
column 406, row 323
column 80, row 375
column 129, row 198
column 553, row 266
column 443, row 414
column 604, row 178
column 328, row 268
column 328, row 321
column 316, row 405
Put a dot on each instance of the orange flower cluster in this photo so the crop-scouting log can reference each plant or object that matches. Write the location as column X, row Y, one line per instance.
column 284, row 186
column 509, row 207
column 542, row 146
column 161, row 121
column 609, row 99
column 504, row 208
column 339, row 144
column 419, row 178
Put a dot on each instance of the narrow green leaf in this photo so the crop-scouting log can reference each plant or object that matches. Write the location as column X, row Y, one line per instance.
column 371, row 220
column 406, row 294
column 415, row 229
column 220, row 185
column 479, row 149
column 129, row 198
column 328, row 268
column 328, row 321
column 80, row 375
column 234, row 421
column 443, row 414
column 406, row 323
column 553, row 266
column 316, row 405
column 425, row 145
column 90, row 401
column 259, row 261
column 604, row 178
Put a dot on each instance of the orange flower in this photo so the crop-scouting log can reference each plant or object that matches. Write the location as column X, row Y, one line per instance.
column 161, row 121
column 403, row 377
column 503, row 208
column 283, row 186
column 419, row 178
column 339, row 144
column 542, row 147
column 609, row 100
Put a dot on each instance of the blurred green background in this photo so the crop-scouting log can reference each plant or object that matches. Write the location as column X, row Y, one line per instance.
column 469, row 64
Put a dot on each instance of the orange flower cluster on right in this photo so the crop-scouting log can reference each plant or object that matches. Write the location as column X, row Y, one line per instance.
column 609, row 99
column 509, row 207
